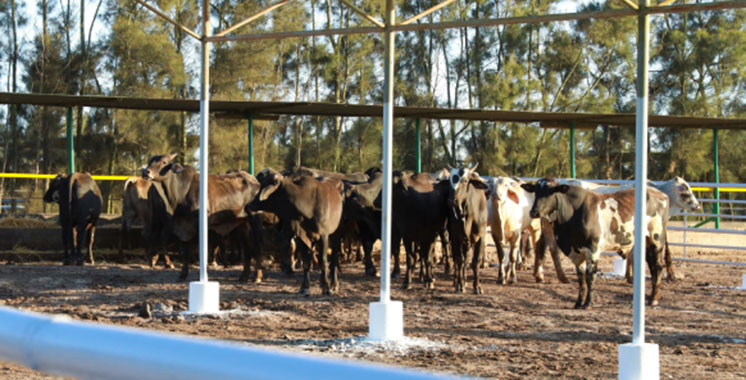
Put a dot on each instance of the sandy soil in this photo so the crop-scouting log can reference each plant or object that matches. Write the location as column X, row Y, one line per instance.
column 519, row 331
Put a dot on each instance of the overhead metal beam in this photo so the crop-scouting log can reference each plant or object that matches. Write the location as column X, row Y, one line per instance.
column 163, row 16
column 363, row 14
column 252, row 18
column 426, row 12
column 630, row 4
column 665, row 3
column 533, row 19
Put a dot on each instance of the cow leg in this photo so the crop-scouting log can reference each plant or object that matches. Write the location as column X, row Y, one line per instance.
column 324, row 264
column 186, row 259
column 411, row 260
column 539, row 257
column 243, row 244
column 521, row 252
column 458, row 264
column 91, row 235
column 547, row 233
column 479, row 250
column 426, row 255
column 500, row 258
column 334, row 267
column 167, row 259
column 78, row 241
column 307, row 255
column 671, row 275
column 590, row 271
column 653, row 256
column 514, row 247
column 153, row 254
column 370, row 269
column 395, row 247
column 629, row 274
column 446, row 247
column 67, row 243
column 580, row 268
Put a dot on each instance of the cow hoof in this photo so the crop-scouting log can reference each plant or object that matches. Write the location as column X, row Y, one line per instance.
column 586, row 306
column 564, row 280
column 539, row 280
column 577, row 305
column 257, row 280
column 243, row 278
column 371, row 272
column 501, row 281
column 327, row 292
column 406, row 286
column 478, row 290
column 630, row 280
column 303, row 292
column 395, row 273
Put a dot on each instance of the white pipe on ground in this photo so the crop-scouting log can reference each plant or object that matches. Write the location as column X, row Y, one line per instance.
column 61, row 346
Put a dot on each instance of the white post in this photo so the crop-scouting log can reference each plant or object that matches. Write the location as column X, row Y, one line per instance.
column 639, row 360
column 204, row 296
column 386, row 317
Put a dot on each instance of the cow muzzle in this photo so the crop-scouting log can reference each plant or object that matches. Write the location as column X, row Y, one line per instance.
column 534, row 214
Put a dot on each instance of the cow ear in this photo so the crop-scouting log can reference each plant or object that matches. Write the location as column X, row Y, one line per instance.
column 165, row 169
column 563, row 189
column 513, row 196
column 178, row 168
column 530, row 187
column 269, row 189
column 479, row 184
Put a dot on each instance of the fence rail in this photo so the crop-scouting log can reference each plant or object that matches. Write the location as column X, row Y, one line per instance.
column 58, row 345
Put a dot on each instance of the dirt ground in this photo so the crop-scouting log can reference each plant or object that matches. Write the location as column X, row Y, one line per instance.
column 519, row 331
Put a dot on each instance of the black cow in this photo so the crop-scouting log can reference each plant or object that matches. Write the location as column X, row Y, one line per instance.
column 365, row 219
column 467, row 224
column 310, row 210
column 419, row 213
column 79, row 200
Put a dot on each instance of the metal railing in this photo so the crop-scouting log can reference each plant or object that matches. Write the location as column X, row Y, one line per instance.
column 58, row 345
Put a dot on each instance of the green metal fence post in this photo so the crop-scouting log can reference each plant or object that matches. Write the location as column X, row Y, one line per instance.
column 716, row 208
column 572, row 150
column 251, row 144
column 419, row 151
column 70, row 147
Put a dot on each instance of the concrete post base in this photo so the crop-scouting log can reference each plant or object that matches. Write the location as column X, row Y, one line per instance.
column 639, row 361
column 386, row 320
column 620, row 266
column 204, row 297
column 743, row 282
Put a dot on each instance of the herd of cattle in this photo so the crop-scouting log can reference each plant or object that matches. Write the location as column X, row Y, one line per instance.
column 313, row 212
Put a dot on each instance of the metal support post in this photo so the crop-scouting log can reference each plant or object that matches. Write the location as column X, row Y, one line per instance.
column 251, row 144
column 419, row 149
column 716, row 205
column 572, row 150
column 639, row 360
column 70, row 145
column 204, row 295
column 386, row 317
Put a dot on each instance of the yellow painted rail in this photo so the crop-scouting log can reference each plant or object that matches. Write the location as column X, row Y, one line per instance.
column 45, row 176
column 722, row 189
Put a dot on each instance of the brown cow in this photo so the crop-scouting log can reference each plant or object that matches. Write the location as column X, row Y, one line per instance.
column 585, row 223
column 145, row 200
column 80, row 201
column 228, row 194
column 310, row 210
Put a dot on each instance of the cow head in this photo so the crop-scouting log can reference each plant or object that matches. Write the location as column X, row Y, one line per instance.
column 57, row 185
column 269, row 184
column 684, row 196
column 505, row 189
column 160, row 166
column 461, row 179
column 546, row 197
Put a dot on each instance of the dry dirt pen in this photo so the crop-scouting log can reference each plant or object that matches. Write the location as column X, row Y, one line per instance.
column 524, row 330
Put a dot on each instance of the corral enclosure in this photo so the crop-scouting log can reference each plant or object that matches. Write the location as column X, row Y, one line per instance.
column 524, row 330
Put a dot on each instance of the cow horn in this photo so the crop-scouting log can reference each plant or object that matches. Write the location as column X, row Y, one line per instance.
column 172, row 156
column 474, row 167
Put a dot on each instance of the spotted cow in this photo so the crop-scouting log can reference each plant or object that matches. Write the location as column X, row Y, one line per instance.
column 586, row 223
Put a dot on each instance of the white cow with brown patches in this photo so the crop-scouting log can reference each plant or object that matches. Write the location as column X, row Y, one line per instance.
column 586, row 223
column 681, row 198
column 508, row 215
